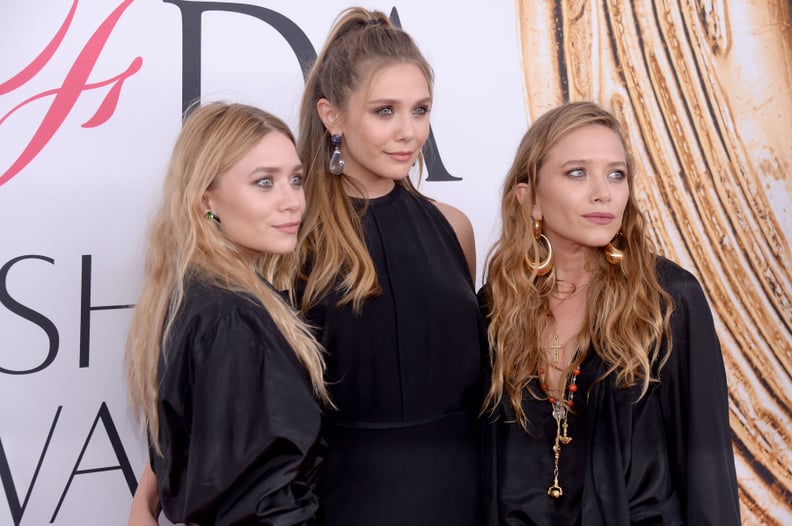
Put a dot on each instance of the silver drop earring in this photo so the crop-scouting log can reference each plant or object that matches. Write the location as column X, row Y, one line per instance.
column 336, row 161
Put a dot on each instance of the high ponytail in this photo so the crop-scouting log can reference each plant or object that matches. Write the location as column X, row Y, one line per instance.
column 360, row 43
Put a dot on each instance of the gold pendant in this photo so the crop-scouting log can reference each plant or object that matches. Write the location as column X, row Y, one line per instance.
column 555, row 348
column 565, row 439
column 555, row 491
column 559, row 414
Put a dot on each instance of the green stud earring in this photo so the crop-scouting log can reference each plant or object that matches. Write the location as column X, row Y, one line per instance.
column 212, row 216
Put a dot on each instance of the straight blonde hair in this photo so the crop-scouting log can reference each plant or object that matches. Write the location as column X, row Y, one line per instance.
column 183, row 244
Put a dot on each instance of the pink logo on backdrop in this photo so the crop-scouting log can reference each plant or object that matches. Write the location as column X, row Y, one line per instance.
column 76, row 82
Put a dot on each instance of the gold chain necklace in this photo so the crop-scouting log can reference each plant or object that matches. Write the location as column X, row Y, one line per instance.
column 556, row 346
column 575, row 291
column 560, row 411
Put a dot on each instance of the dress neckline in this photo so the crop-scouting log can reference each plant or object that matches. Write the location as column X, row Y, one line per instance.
column 374, row 201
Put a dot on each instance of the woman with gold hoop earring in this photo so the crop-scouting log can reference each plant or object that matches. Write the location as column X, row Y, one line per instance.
column 543, row 266
column 608, row 383
column 613, row 255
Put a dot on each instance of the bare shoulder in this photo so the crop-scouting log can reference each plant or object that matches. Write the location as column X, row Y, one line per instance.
column 464, row 232
column 457, row 218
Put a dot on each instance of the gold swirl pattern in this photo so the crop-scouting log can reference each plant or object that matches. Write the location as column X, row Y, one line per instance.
column 704, row 89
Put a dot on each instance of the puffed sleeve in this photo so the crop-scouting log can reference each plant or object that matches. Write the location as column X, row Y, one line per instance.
column 694, row 402
column 238, row 425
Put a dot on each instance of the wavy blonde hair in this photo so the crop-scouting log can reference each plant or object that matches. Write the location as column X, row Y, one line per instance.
column 627, row 311
column 183, row 244
column 360, row 43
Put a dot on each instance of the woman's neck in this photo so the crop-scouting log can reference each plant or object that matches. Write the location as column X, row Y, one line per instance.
column 368, row 189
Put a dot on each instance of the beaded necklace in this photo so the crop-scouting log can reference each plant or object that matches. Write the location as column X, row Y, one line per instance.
column 560, row 411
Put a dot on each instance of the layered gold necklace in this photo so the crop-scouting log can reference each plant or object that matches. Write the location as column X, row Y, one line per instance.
column 565, row 295
column 560, row 411
column 560, row 408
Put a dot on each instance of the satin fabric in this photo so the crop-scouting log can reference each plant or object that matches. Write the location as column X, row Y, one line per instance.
column 664, row 459
column 406, row 374
column 239, row 425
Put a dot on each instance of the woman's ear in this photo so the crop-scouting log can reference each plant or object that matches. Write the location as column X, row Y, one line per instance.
column 536, row 212
column 521, row 193
column 206, row 200
column 520, row 190
column 329, row 115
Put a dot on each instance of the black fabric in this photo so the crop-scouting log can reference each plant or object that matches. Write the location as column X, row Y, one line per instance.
column 239, row 425
column 694, row 405
column 665, row 459
column 527, row 460
column 405, row 373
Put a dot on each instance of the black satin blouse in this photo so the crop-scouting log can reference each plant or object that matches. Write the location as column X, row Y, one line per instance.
column 527, row 471
column 665, row 459
column 239, row 425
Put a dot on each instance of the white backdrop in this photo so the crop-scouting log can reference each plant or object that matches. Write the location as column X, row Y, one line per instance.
column 77, row 191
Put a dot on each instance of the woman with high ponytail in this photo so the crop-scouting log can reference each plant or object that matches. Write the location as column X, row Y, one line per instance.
column 387, row 276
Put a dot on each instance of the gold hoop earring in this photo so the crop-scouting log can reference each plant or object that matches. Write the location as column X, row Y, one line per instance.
column 613, row 255
column 543, row 267
column 537, row 228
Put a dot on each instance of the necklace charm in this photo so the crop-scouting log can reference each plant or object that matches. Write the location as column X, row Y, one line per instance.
column 559, row 414
column 555, row 348
column 560, row 411
column 565, row 439
column 555, row 491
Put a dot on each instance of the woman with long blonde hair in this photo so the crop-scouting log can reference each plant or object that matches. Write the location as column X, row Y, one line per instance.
column 607, row 370
column 224, row 374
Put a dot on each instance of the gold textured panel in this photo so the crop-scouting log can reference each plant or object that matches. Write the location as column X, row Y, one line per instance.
column 704, row 89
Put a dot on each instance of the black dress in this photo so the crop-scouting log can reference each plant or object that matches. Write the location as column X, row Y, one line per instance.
column 405, row 373
column 239, row 424
column 666, row 459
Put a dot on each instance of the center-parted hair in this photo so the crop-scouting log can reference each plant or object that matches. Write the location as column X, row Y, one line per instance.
column 183, row 244
column 627, row 312
column 361, row 42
